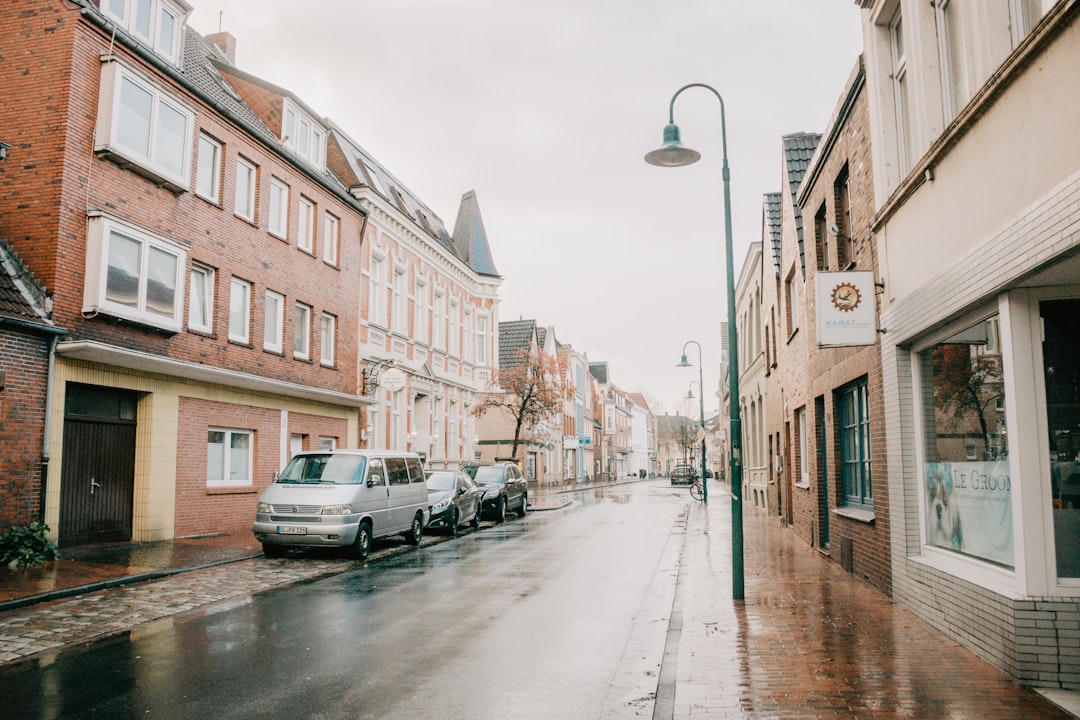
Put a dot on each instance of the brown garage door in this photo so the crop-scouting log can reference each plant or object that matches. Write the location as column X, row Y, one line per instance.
column 98, row 476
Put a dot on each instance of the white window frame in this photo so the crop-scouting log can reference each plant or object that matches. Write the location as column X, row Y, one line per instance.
column 240, row 291
column 481, row 339
column 951, row 34
column 278, row 222
column 244, row 203
column 327, row 340
column 204, row 321
column 303, row 134
column 102, row 231
column 114, row 75
column 226, row 479
column 331, row 236
column 901, row 93
column 301, row 331
column 208, row 169
column 305, row 232
column 438, row 335
column 377, row 279
column 454, row 330
column 803, row 450
column 273, row 326
column 163, row 40
column 420, row 304
column 400, row 321
column 1024, row 16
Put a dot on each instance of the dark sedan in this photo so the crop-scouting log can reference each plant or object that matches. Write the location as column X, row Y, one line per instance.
column 453, row 499
column 503, row 486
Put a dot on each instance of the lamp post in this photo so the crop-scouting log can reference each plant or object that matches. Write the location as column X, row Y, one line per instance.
column 673, row 154
column 701, row 406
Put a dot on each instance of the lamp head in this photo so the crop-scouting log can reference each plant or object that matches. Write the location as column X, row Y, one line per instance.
column 672, row 153
column 684, row 362
column 689, row 394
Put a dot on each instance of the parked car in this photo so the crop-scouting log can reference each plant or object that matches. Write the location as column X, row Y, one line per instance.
column 683, row 474
column 453, row 498
column 503, row 486
column 343, row 498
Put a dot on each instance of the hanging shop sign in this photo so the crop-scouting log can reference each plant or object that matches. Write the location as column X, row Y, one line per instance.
column 846, row 309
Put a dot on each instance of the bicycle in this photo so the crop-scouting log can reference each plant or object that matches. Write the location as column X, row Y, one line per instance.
column 697, row 490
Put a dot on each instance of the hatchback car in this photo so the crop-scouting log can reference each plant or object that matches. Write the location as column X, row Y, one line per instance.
column 453, row 499
column 683, row 474
column 503, row 487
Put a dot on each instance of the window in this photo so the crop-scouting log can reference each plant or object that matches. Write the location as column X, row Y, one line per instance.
column 438, row 335
column 420, row 304
column 1025, row 15
column 951, row 46
column 845, row 244
column 454, row 347
column 208, row 170
column 245, row 189
column 132, row 274
column 279, row 209
column 821, row 239
column 157, row 23
column 273, row 328
column 201, row 303
column 228, row 457
column 326, row 342
column 901, row 92
column 302, row 134
column 400, row 301
column 481, row 339
column 802, row 450
column 791, row 300
column 331, row 230
column 855, row 469
column 305, row 240
column 967, row 502
column 144, row 125
column 302, row 334
column 239, row 310
column 327, row 443
column 377, row 313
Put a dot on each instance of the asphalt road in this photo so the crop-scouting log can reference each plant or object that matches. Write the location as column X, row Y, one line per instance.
column 529, row 619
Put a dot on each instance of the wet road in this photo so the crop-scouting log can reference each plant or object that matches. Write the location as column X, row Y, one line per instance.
column 529, row 619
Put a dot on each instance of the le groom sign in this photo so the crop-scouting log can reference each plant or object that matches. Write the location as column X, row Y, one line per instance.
column 846, row 309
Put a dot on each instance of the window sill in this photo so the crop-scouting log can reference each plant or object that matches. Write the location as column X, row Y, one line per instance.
column 231, row 490
column 803, row 486
column 858, row 514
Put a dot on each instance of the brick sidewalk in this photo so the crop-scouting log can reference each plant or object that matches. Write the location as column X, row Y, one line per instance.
column 812, row 641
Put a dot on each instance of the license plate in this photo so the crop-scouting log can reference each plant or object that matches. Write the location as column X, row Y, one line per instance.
column 291, row 530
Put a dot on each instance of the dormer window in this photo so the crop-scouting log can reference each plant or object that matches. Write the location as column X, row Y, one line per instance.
column 158, row 24
column 302, row 134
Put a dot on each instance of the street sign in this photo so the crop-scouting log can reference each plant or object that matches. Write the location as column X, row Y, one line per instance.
column 584, row 441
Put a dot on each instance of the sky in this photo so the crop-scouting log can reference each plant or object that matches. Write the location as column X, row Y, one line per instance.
column 546, row 110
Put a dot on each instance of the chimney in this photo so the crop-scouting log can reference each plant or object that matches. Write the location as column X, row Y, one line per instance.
column 224, row 42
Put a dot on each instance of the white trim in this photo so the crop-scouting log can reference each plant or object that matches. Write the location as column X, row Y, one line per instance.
column 301, row 331
column 238, row 284
column 272, row 342
column 277, row 224
column 251, row 171
column 209, row 275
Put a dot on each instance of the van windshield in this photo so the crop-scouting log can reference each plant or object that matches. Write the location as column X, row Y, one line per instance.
column 324, row 468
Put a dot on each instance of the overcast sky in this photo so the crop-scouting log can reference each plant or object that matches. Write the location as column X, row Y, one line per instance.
column 546, row 110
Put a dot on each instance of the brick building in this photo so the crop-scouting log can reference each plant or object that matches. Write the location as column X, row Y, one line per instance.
column 197, row 252
column 976, row 224
column 27, row 336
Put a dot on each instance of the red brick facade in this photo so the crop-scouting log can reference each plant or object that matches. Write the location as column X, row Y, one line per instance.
column 24, row 360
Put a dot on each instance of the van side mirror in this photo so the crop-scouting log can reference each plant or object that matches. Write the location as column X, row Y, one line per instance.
column 274, row 476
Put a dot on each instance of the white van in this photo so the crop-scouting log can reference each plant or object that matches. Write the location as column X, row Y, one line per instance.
column 343, row 498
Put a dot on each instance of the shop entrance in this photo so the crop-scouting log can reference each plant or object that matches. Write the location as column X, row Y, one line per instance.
column 1061, row 370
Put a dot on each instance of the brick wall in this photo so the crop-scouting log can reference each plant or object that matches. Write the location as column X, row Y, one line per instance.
column 24, row 359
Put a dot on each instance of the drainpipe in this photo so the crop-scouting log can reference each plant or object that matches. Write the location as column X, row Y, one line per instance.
column 47, row 435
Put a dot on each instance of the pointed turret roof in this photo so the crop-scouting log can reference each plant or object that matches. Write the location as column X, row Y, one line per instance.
column 470, row 238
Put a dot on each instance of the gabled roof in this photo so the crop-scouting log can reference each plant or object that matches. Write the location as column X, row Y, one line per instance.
column 22, row 299
column 798, row 150
column 513, row 336
column 773, row 211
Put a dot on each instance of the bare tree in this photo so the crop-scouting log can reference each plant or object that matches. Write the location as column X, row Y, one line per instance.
column 532, row 390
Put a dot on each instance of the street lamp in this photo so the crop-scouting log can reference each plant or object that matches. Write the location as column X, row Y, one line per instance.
column 673, row 154
column 701, row 405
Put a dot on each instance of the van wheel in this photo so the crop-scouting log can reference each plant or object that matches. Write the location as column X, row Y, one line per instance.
column 273, row 551
column 452, row 523
column 524, row 505
column 475, row 522
column 362, row 547
column 416, row 532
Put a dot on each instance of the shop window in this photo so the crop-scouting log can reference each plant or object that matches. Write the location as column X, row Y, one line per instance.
column 855, row 468
column 968, row 502
column 1061, row 370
